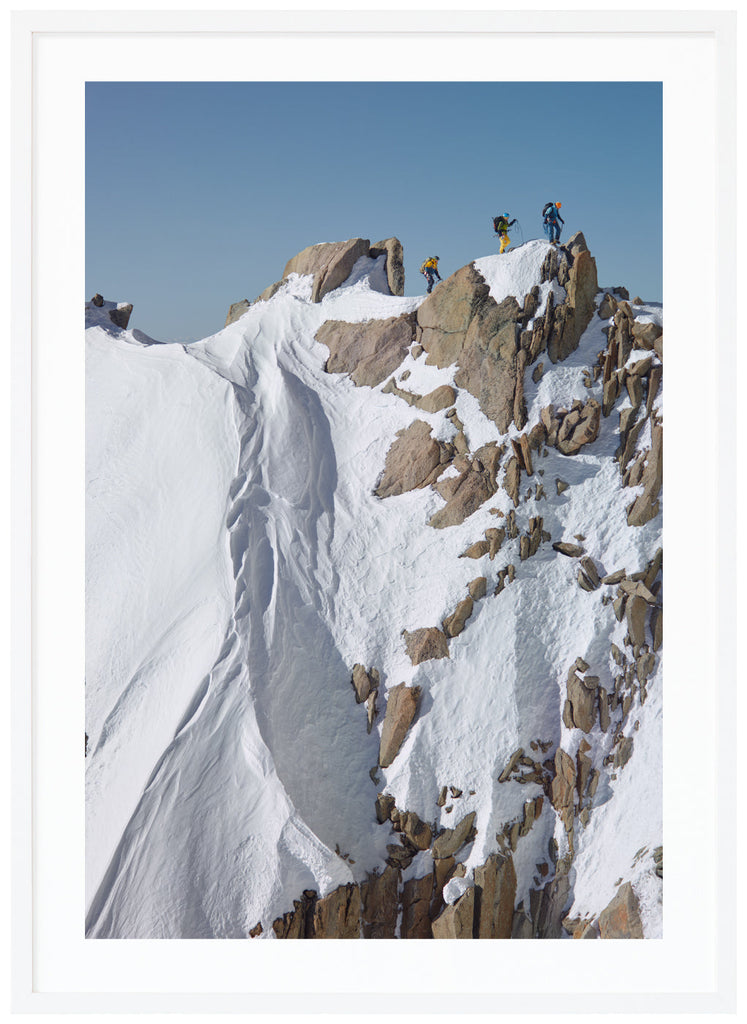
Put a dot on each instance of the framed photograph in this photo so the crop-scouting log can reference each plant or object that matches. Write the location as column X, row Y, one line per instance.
column 339, row 564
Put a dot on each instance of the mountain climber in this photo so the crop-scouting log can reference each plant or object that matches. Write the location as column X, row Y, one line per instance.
column 430, row 269
column 551, row 216
column 501, row 224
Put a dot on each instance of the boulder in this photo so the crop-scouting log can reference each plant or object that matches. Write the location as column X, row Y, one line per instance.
column 572, row 550
column 621, row 918
column 578, row 428
column 364, row 683
column 236, row 310
column 437, row 400
column 369, row 351
column 413, row 461
column 395, row 267
column 478, row 588
column 646, row 505
column 426, row 644
column 329, row 262
column 98, row 300
column 401, row 708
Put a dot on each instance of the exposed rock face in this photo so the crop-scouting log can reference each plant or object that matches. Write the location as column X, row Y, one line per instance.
column 495, row 891
column 426, row 644
column 401, row 708
column 416, row 903
column 236, row 310
column 337, row 916
column 415, row 460
column 395, row 268
column 380, row 904
column 368, row 351
column 329, row 262
column 621, row 918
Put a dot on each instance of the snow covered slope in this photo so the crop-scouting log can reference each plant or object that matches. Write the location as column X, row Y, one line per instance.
column 239, row 566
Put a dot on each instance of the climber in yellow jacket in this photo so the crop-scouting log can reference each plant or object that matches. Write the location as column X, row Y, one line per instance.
column 430, row 269
column 501, row 224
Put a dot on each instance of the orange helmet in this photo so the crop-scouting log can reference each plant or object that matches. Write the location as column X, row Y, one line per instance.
column 558, row 205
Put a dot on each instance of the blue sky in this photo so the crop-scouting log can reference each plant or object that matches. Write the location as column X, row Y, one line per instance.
column 197, row 194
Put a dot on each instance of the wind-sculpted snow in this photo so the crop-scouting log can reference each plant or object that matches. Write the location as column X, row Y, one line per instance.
column 240, row 564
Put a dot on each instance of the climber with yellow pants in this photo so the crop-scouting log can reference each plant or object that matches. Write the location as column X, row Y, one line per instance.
column 501, row 224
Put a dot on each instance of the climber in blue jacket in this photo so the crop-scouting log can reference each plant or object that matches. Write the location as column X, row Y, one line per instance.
column 551, row 217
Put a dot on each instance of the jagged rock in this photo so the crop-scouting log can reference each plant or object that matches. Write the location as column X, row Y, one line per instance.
column 329, row 262
column 579, row 428
column 445, row 315
column 299, row 922
column 624, row 752
column 495, row 892
column 646, row 334
column 453, row 839
column 590, row 569
column 236, row 310
column 369, row 351
column 604, row 710
column 418, row 833
column 637, row 588
column 98, row 300
column 426, row 644
column 635, row 610
column 337, row 916
column 434, row 401
column 120, row 316
column 416, row 902
column 371, row 709
column 390, row 388
column 454, row 624
column 385, row 804
column 582, row 702
column 256, row 930
column 646, row 505
column 413, row 461
column 473, row 489
column 364, row 682
column 607, row 307
column 537, row 372
column 656, row 626
column 512, row 479
column 478, row 588
column 395, row 269
column 614, row 577
column 269, row 291
column 456, row 921
column 621, row 918
column 572, row 550
column 495, row 535
column 401, row 708
column 380, row 904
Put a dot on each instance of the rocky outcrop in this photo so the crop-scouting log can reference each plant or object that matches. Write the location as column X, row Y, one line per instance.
column 369, row 351
column 330, row 263
column 401, row 708
column 569, row 430
column 454, row 623
column 426, row 644
column 468, row 492
column 457, row 921
column 120, row 316
column 414, row 460
column 236, row 310
column 395, row 268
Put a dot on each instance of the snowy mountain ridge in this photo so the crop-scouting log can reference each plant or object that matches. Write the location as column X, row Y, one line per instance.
column 450, row 502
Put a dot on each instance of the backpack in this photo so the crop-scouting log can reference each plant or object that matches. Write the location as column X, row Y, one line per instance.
column 429, row 263
column 546, row 209
column 499, row 224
